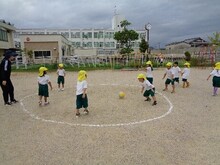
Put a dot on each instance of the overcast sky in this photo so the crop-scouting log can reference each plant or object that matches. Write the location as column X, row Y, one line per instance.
column 171, row 20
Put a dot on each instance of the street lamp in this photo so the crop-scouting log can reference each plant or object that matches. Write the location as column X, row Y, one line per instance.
column 147, row 28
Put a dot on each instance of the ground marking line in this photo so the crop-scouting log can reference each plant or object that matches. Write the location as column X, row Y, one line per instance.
column 98, row 125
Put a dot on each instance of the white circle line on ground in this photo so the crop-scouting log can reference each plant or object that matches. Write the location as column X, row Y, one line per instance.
column 96, row 125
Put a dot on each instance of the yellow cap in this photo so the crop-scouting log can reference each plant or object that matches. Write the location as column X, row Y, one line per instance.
column 217, row 66
column 187, row 64
column 81, row 75
column 149, row 63
column 41, row 71
column 169, row 64
column 141, row 75
column 61, row 65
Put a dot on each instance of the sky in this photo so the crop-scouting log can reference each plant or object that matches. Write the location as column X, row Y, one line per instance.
column 171, row 20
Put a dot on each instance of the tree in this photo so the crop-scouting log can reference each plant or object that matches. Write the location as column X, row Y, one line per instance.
column 187, row 56
column 143, row 47
column 125, row 37
column 215, row 40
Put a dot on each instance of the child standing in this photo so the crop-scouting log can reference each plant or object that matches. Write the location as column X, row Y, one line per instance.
column 149, row 70
column 216, row 78
column 147, row 88
column 61, row 74
column 81, row 93
column 170, row 76
column 185, row 75
column 177, row 71
column 43, row 81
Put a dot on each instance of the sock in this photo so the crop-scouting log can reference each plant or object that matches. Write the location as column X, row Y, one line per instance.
column 215, row 90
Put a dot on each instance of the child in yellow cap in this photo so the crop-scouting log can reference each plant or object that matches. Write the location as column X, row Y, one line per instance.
column 170, row 77
column 81, row 93
column 185, row 75
column 147, row 88
column 216, row 78
column 149, row 70
column 61, row 74
column 43, row 81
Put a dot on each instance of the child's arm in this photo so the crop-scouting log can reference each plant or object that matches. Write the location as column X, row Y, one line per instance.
column 50, row 85
column 209, row 77
column 164, row 75
column 84, row 92
column 142, row 89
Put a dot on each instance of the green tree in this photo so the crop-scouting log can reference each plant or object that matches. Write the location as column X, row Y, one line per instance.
column 215, row 40
column 125, row 37
column 187, row 56
column 143, row 47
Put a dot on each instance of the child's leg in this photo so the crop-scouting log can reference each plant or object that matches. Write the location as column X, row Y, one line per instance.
column 77, row 113
column 184, row 84
column 187, row 83
column 45, row 101
column 166, row 87
column 155, row 101
column 173, row 89
column 215, row 89
column 40, row 100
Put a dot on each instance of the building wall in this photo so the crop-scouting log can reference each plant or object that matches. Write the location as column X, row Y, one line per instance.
column 6, row 36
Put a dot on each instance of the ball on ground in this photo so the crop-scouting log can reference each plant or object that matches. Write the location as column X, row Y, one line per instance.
column 121, row 95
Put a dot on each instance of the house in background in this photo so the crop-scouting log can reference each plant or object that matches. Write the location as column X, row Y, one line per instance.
column 45, row 48
column 187, row 43
column 6, row 36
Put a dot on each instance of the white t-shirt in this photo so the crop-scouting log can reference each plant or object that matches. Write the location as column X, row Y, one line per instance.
column 215, row 73
column 147, row 85
column 80, row 86
column 149, row 72
column 176, row 71
column 43, row 80
column 169, row 73
column 186, row 72
column 61, row 72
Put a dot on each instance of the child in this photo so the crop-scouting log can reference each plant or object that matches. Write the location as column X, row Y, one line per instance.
column 147, row 88
column 216, row 78
column 61, row 74
column 177, row 71
column 43, row 81
column 149, row 70
column 185, row 75
column 170, row 76
column 81, row 93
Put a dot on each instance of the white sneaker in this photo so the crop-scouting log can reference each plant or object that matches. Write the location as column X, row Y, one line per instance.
column 62, row 89
column 46, row 103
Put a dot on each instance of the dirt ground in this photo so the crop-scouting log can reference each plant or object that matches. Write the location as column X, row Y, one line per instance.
column 182, row 129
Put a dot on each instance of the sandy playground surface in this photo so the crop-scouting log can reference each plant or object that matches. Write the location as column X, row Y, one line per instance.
column 182, row 129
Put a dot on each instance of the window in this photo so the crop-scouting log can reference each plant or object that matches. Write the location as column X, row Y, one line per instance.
column 75, row 35
column 65, row 34
column 3, row 35
column 42, row 54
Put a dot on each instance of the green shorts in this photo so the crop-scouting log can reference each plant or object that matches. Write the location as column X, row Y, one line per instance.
column 150, row 79
column 43, row 90
column 81, row 102
column 176, row 79
column 149, row 93
column 60, row 79
column 216, row 81
column 168, row 81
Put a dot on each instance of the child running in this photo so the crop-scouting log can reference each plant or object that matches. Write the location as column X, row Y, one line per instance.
column 149, row 70
column 177, row 72
column 147, row 88
column 61, row 74
column 185, row 75
column 170, row 76
column 81, row 93
column 216, row 78
column 43, row 81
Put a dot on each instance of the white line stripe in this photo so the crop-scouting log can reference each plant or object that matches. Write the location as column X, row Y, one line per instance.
column 97, row 125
